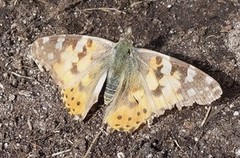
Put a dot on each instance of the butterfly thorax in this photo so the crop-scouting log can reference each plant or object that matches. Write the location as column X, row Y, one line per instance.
column 120, row 69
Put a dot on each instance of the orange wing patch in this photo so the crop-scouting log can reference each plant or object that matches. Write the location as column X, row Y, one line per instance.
column 70, row 60
column 173, row 82
column 75, row 100
column 163, row 83
column 131, row 109
column 73, row 61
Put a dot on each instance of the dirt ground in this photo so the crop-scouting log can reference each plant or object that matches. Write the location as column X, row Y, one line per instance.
column 33, row 121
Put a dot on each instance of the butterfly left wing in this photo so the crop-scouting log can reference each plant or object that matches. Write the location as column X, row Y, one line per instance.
column 78, row 64
column 173, row 82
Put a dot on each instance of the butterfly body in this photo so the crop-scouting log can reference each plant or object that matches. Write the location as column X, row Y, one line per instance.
column 140, row 83
column 120, row 69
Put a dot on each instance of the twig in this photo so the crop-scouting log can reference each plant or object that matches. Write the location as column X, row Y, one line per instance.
column 135, row 3
column 214, row 113
column 61, row 152
column 104, row 9
column 206, row 116
column 139, row 2
column 15, row 2
column 93, row 142
column 175, row 141
column 14, row 73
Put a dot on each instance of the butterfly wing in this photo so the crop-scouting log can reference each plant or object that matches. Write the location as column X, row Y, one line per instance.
column 173, row 82
column 78, row 64
column 130, row 106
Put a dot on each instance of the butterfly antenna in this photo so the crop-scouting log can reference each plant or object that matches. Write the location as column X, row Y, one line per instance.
column 94, row 141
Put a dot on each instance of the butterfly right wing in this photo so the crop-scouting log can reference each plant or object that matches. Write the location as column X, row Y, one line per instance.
column 78, row 64
column 170, row 82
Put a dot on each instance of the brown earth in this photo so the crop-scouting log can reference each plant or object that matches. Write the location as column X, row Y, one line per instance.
column 33, row 122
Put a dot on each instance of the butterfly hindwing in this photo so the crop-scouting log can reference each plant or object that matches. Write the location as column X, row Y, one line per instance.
column 70, row 60
column 130, row 106
column 171, row 81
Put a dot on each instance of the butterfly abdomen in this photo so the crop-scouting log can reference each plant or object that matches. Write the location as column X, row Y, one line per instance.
column 111, row 87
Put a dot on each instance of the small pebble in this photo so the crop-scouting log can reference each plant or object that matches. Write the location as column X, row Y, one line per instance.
column 237, row 152
column 236, row 113
column 11, row 97
column 120, row 155
column 5, row 145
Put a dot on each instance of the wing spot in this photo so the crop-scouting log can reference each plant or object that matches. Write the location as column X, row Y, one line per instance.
column 78, row 103
column 119, row 117
column 191, row 92
column 121, row 129
column 174, row 69
column 66, row 96
column 72, row 89
column 130, row 118
column 206, row 89
column 72, row 98
column 138, row 113
column 45, row 40
column 81, row 86
column 127, row 126
column 191, row 73
column 89, row 43
column 83, row 53
column 137, row 122
column 59, row 43
column 74, row 69
column 208, row 80
column 158, row 90
column 50, row 56
column 145, row 110
column 158, row 72
column 158, row 60
column 117, row 124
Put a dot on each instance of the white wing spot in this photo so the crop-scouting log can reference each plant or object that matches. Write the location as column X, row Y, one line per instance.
column 191, row 92
column 208, row 80
column 190, row 74
column 206, row 89
column 45, row 40
column 50, row 56
column 80, row 45
column 59, row 43
column 167, row 57
column 167, row 67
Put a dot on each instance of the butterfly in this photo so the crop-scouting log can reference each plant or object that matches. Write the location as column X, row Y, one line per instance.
column 140, row 84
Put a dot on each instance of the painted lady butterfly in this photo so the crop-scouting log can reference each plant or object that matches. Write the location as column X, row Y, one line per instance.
column 140, row 83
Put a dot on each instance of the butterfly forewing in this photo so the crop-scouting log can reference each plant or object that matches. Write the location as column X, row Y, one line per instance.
column 171, row 81
column 78, row 64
